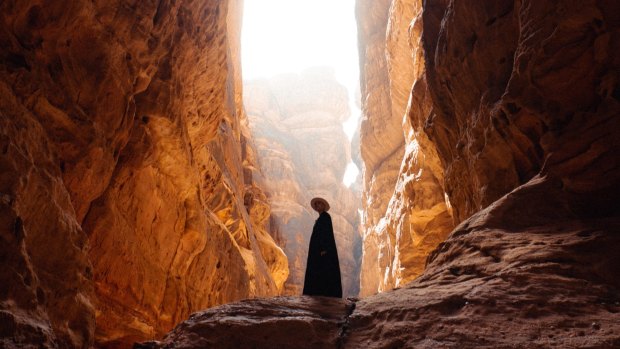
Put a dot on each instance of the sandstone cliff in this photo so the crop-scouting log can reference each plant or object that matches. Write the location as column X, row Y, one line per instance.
column 522, row 101
column 127, row 199
column 302, row 152
column 406, row 211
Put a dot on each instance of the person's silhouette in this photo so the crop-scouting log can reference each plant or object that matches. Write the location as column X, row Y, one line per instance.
column 322, row 268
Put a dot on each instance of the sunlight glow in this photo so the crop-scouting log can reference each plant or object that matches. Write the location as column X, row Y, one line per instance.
column 284, row 36
column 289, row 36
column 350, row 175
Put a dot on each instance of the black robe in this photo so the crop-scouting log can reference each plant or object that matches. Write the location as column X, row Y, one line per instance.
column 323, row 271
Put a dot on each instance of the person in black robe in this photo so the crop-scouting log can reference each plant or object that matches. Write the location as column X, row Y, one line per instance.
column 322, row 269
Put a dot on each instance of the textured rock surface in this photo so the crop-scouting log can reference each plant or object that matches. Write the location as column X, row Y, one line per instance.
column 302, row 152
column 525, row 103
column 283, row 322
column 500, row 285
column 125, row 182
column 406, row 213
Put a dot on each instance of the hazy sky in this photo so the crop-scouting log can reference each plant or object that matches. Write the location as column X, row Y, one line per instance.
column 282, row 36
column 290, row 35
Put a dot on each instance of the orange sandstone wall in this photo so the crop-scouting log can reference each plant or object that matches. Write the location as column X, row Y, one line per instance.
column 532, row 87
column 127, row 203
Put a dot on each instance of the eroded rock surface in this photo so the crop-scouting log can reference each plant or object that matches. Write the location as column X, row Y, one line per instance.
column 494, row 285
column 302, row 152
column 125, row 190
column 282, row 322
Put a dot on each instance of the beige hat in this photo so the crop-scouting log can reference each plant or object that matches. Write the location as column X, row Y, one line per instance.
column 314, row 201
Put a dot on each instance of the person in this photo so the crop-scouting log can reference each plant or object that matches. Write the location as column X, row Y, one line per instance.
column 322, row 269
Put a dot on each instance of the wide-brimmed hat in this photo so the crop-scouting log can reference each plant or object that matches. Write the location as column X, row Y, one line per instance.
column 314, row 201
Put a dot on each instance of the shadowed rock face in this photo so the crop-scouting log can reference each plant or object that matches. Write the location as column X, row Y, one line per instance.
column 532, row 87
column 125, row 198
column 302, row 152
column 523, row 109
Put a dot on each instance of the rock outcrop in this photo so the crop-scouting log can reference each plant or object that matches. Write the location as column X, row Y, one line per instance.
column 406, row 211
column 302, row 152
column 523, row 113
column 126, row 190
column 281, row 322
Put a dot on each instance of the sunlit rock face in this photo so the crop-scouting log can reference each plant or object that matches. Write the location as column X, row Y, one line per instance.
column 302, row 152
column 406, row 212
column 126, row 190
column 509, row 83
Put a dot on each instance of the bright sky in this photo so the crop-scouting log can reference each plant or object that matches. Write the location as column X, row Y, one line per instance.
column 282, row 36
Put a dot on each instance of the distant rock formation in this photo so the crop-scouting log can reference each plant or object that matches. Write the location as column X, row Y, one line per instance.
column 127, row 200
column 302, row 152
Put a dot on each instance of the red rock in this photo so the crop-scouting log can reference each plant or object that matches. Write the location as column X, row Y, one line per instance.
column 488, row 285
column 127, row 197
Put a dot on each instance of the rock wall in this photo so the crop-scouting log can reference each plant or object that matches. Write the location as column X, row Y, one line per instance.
column 533, row 72
column 127, row 198
column 523, row 116
column 406, row 211
column 302, row 152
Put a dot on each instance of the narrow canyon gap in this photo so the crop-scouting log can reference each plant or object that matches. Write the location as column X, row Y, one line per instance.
column 489, row 141
column 300, row 88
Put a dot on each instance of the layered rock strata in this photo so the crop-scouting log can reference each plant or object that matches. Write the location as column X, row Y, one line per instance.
column 406, row 211
column 525, row 98
column 302, row 152
column 127, row 198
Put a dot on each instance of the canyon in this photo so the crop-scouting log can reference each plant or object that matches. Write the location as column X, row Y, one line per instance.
column 141, row 202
